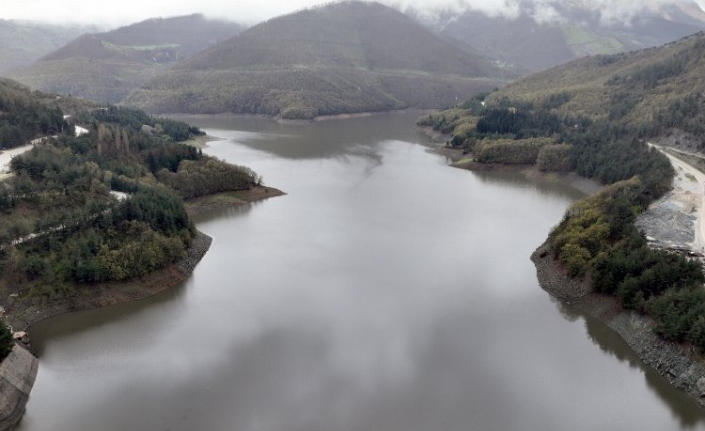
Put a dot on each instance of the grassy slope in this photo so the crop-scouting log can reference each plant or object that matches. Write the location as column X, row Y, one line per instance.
column 344, row 57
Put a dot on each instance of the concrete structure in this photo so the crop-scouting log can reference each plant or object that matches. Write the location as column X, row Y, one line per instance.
column 17, row 374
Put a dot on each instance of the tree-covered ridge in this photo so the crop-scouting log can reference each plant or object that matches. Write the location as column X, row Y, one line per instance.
column 532, row 132
column 105, row 67
column 598, row 237
column 343, row 57
column 61, row 224
column 650, row 92
column 23, row 117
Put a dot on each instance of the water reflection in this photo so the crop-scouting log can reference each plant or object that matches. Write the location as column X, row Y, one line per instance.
column 236, row 211
column 684, row 409
column 546, row 186
column 384, row 292
column 58, row 328
column 324, row 139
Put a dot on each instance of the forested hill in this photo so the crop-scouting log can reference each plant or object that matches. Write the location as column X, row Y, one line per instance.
column 340, row 58
column 21, row 43
column 105, row 67
column 24, row 117
column 577, row 29
column 651, row 91
column 62, row 227
column 595, row 116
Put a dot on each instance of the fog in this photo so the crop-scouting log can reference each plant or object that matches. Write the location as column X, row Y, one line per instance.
column 113, row 14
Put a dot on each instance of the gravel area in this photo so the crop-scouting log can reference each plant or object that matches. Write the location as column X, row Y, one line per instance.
column 673, row 221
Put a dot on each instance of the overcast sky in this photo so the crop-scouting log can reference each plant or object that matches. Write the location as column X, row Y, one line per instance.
column 114, row 13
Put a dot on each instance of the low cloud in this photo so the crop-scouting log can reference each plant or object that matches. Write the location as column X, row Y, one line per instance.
column 252, row 11
column 609, row 11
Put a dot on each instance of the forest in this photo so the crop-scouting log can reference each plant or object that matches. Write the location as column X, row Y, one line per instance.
column 23, row 117
column 597, row 237
column 63, row 228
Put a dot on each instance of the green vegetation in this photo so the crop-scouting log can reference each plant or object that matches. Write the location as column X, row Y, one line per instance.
column 339, row 58
column 6, row 342
column 598, row 236
column 510, row 151
column 583, row 42
column 23, row 117
column 629, row 99
column 61, row 227
column 648, row 92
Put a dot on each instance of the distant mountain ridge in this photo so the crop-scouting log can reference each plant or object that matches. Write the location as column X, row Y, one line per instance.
column 549, row 33
column 22, row 43
column 339, row 58
column 652, row 92
column 105, row 67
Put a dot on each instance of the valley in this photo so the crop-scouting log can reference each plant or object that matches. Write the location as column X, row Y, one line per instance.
column 383, row 290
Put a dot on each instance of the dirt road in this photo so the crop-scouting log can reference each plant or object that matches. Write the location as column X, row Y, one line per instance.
column 7, row 155
column 688, row 198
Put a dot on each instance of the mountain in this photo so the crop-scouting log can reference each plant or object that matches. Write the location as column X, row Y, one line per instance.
column 339, row 58
column 650, row 91
column 550, row 33
column 21, row 43
column 105, row 67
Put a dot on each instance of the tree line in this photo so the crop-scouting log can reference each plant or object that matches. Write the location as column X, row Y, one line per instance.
column 61, row 229
column 598, row 236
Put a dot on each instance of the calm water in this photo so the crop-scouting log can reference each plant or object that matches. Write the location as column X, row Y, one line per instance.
column 385, row 292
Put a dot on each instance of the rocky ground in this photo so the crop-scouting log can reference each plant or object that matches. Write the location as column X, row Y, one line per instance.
column 681, row 365
column 673, row 221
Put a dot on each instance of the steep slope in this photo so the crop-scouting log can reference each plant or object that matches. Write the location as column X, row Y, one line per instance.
column 340, row 58
column 21, row 43
column 105, row 67
column 575, row 29
column 649, row 92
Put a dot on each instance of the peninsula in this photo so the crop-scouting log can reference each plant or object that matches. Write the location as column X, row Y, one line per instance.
column 97, row 217
column 595, row 117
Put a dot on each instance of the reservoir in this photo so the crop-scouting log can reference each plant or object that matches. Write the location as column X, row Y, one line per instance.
column 386, row 291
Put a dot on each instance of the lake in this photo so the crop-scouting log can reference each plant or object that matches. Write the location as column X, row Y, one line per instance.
column 386, row 291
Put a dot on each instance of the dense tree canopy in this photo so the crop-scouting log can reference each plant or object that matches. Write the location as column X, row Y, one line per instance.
column 598, row 236
column 62, row 227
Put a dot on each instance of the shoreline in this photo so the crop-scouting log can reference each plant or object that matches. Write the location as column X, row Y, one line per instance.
column 106, row 294
column 681, row 365
column 319, row 118
column 18, row 371
column 201, row 141
column 22, row 314
column 230, row 199
column 465, row 161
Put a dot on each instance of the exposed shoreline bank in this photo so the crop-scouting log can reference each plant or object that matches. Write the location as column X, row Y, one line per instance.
column 230, row 199
column 19, row 370
column 465, row 161
column 21, row 314
column 681, row 365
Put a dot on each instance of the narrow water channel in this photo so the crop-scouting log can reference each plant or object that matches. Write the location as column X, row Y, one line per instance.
column 386, row 292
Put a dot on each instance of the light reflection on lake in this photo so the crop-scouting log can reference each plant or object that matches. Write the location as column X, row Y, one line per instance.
column 385, row 291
